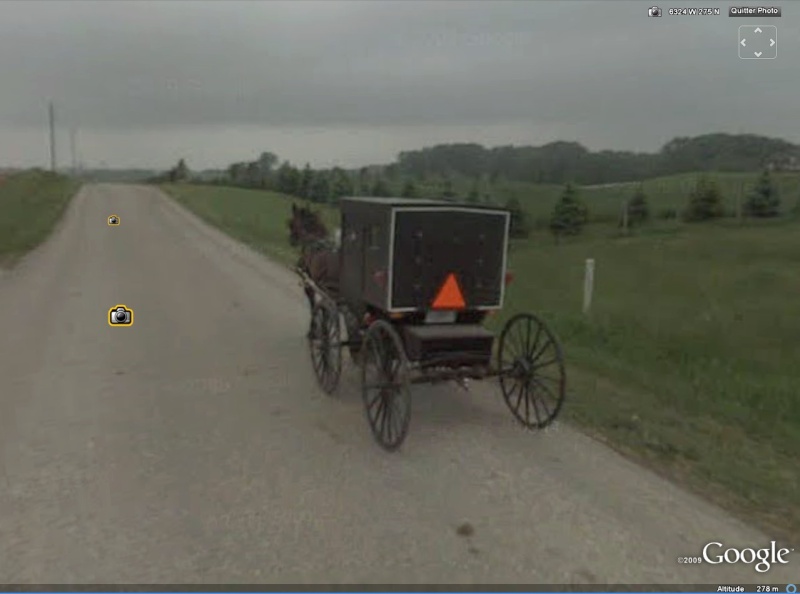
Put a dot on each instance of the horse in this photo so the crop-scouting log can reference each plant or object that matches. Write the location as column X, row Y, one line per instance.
column 319, row 253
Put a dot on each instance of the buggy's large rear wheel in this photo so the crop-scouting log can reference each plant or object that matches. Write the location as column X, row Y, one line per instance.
column 324, row 343
column 532, row 375
column 384, row 385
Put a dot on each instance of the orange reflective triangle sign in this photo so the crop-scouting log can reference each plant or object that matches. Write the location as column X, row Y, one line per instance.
column 449, row 296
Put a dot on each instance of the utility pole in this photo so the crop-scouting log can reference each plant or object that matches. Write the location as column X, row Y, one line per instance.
column 72, row 134
column 52, row 138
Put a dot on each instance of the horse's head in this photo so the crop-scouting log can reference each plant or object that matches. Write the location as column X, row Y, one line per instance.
column 305, row 226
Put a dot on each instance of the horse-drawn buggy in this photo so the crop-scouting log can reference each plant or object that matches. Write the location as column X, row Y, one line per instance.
column 406, row 291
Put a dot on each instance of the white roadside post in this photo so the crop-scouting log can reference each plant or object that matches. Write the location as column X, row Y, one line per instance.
column 588, row 285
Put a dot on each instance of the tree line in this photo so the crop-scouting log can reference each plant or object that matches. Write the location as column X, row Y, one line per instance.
column 429, row 173
column 570, row 162
column 315, row 185
column 414, row 172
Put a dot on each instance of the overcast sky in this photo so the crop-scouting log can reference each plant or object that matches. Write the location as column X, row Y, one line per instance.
column 352, row 83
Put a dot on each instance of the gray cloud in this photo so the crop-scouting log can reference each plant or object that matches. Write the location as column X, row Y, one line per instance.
column 599, row 72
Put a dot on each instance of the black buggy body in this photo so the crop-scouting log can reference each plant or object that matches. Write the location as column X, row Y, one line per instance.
column 442, row 261
column 416, row 245
column 416, row 281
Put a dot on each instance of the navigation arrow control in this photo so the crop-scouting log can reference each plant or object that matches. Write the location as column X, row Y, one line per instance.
column 758, row 42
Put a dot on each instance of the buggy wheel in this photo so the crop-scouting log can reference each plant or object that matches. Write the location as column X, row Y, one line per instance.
column 384, row 385
column 324, row 339
column 532, row 375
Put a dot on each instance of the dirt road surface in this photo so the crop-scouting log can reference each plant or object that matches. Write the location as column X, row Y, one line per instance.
column 196, row 447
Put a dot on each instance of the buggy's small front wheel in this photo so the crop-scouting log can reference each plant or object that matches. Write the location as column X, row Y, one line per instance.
column 532, row 375
column 324, row 343
column 384, row 385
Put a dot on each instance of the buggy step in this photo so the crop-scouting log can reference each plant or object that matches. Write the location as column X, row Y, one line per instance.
column 449, row 344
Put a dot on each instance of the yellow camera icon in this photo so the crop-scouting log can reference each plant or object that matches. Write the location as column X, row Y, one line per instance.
column 113, row 220
column 120, row 315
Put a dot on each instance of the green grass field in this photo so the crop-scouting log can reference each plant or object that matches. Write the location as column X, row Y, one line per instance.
column 31, row 203
column 688, row 359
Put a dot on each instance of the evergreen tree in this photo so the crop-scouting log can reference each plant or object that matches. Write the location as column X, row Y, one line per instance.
column 763, row 201
column 520, row 226
column 638, row 209
column 569, row 214
column 705, row 202
column 180, row 172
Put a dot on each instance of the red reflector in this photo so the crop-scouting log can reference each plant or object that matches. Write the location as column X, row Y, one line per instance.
column 509, row 278
column 380, row 278
column 450, row 296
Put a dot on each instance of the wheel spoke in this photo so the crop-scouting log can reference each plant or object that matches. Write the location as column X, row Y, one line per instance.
column 509, row 393
column 546, row 363
column 384, row 413
column 376, row 400
column 549, row 392
column 398, row 415
column 522, row 342
column 523, row 337
column 528, row 336
column 543, row 402
column 530, row 348
column 391, row 419
column 323, row 354
column 534, row 401
column 555, row 380
column 317, row 358
column 379, row 409
column 520, row 397
column 527, row 401
column 385, row 409
column 541, row 351
column 333, row 335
